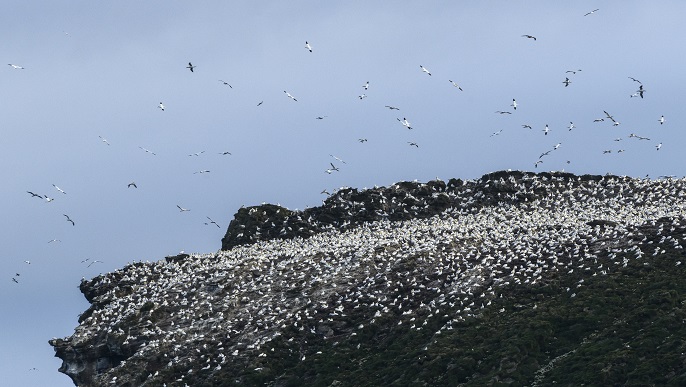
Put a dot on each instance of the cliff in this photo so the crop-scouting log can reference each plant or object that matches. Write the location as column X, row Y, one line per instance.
column 514, row 278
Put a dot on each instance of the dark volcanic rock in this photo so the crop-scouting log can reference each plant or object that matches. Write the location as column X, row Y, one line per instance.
column 349, row 207
column 515, row 278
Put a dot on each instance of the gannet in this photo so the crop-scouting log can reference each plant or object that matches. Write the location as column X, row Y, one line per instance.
column 69, row 220
column 15, row 66
column 592, row 12
column 290, row 96
column 161, row 106
column 455, row 84
column 190, row 66
column 424, row 69
column 529, row 36
column 181, row 209
column 226, row 83
column 308, row 47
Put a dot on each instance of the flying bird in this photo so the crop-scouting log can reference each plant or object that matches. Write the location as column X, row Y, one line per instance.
column 290, row 96
column 640, row 91
column 566, row 81
column 181, row 209
column 225, row 153
column 546, row 130
column 212, row 222
column 339, row 159
column 405, row 122
column 392, row 107
column 502, row 112
column 320, row 117
column 261, row 102
column 94, row 262
column 529, row 36
column 161, row 106
column 366, row 86
column 573, row 71
column 571, row 125
column 363, row 96
column 34, row 195
column 69, row 220
column 132, row 184
column 361, row 140
column 104, row 140
column 226, row 83
column 308, row 47
column 14, row 280
column 190, row 66
column 496, row 133
column 635, row 80
column 54, row 240
column 196, row 153
column 592, row 12
column 455, row 84
column 658, row 146
column 525, row 126
column 414, row 144
column 424, row 69
column 662, row 120
column 15, row 66
column 148, row 151
column 59, row 189
column 203, row 171
column 514, row 104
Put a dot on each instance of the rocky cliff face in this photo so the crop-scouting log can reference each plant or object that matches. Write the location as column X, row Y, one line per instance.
column 514, row 278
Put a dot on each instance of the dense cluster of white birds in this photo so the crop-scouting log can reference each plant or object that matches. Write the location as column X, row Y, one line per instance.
column 208, row 308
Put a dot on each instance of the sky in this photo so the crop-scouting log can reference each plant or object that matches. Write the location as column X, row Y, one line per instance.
column 85, row 106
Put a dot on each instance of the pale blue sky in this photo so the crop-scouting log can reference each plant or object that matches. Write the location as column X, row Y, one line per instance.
column 101, row 68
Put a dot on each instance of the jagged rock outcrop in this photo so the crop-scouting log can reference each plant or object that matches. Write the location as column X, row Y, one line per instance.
column 515, row 278
column 350, row 207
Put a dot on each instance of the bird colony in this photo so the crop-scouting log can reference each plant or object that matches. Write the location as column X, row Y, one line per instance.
column 184, row 320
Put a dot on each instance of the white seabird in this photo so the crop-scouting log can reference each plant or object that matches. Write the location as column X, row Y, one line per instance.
column 424, row 69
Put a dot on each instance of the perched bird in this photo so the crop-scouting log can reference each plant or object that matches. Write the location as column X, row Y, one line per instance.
column 662, row 120
column 566, row 81
column 290, row 96
column 424, row 69
column 226, row 83
column 181, row 209
column 15, row 66
column 592, row 12
column 131, row 184
column 529, row 36
column 455, row 84
column 69, row 220
column 308, row 47
column 161, row 106
column 190, row 66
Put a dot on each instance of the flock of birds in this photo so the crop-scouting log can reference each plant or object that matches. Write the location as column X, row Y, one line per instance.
column 446, row 268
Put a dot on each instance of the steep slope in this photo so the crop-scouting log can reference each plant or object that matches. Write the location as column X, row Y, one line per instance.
column 515, row 278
